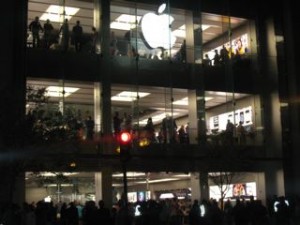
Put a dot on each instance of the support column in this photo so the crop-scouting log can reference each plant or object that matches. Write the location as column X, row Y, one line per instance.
column 102, row 24
column 269, row 88
column 103, row 187
column 195, row 186
column 97, row 107
column 19, row 190
column 199, row 186
column 197, row 124
column 204, row 188
column 12, row 96
column 274, row 180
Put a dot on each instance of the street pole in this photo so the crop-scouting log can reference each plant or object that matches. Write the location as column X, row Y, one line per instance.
column 125, row 183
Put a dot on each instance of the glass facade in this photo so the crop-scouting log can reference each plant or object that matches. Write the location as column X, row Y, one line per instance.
column 214, row 51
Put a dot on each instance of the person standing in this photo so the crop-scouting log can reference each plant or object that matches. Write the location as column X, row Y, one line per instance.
column 89, row 123
column 64, row 29
column 77, row 36
column 241, row 133
column 35, row 27
column 117, row 123
column 48, row 29
column 95, row 40
column 183, row 52
column 229, row 132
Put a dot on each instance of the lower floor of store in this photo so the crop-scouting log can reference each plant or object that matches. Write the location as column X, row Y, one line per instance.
column 142, row 186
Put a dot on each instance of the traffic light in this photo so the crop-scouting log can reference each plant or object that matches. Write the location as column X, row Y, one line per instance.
column 125, row 142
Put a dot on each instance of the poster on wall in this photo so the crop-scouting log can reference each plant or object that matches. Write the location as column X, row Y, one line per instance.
column 234, row 191
column 243, row 115
column 238, row 46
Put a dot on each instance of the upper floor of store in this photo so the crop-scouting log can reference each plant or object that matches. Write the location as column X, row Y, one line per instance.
column 175, row 41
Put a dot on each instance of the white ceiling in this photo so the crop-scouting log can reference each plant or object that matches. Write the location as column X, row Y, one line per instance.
column 133, row 178
column 217, row 24
column 157, row 102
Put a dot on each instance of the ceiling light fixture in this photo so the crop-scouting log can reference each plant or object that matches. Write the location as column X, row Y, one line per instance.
column 55, row 13
column 128, row 96
column 56, row 91
column 181, row 31
column 125, row 22
column 185, row 101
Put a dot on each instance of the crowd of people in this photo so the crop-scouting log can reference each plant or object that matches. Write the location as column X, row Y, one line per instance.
column 166, row 132
column 64, row 36
column 279, row 211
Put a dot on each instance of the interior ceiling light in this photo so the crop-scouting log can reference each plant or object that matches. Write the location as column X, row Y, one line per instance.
column 185, row 101
column 156, row 118
column 128, row 96
column 55, row 13
column 181, row 31
column 166, row 195
column 125, row 22
column 57, row 91
column 157, row 181
column 129, row 174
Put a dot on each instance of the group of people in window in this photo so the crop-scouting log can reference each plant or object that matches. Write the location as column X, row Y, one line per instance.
column 46, row 36
column 234, row 134
column 168, row 130
column 51, row 37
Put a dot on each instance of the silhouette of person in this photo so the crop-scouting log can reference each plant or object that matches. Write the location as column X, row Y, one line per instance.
column 117, row 123
column 169, row 129
column 183, row 52
column 229, row 131
column 77, row 36
column 113, row 44
column 64, row 29
column 103, row 214
column 89, row 123
column 241, row 133
column 35, row 27
column 150, row 129
column 130, row 50
column 216, row 58
column 94, row 40
column 206, row 60
column 224, row 55
column 182, row 134
column 48, row 29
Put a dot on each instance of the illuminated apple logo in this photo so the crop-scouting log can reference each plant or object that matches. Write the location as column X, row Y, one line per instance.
column 156, row 29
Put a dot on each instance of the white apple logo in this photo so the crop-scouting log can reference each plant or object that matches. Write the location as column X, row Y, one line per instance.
column 156, row 29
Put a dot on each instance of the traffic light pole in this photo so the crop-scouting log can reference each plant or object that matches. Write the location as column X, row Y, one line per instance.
column 125, row 190
column 125, row 142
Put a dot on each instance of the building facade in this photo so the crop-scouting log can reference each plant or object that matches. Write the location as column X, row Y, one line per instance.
column 150, row 60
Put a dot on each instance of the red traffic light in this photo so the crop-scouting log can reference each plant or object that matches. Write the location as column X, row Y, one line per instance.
column 125, row 137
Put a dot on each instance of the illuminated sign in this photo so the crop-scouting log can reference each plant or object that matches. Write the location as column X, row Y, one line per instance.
column 219, row 122
column 156, row 29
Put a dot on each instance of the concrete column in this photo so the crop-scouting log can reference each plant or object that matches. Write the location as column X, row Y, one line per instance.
column 204, row 188
column 195, row 186
column 274, row 180
column 97, row 107
column 19, row 190
column 197, row 124
column 292, row 140
column 269, row 88
column 261, row 187
column 12, row 93
column 102, row 23
column 103, row 187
